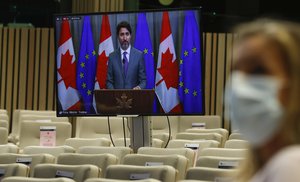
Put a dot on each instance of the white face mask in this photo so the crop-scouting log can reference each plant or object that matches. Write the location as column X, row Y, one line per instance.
column 254, row 107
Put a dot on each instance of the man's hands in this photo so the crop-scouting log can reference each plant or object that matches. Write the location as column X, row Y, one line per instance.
column 137, row 88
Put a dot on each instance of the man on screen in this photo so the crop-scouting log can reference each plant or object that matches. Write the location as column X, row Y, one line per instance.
column 126, row 67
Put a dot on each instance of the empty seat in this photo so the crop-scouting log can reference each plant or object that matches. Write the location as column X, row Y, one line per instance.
column 4, row 116
column 3, row 111
column 80, row 142
column 15, row 169
column 220, row 131
column 210, row 174
column 127, row 172
column 207, row 122
column 115, row 180
column 200, row 136
column 9, row 148
column 160, row 128
column 119, row 152
column 120, row 142
column 3, row 135
column 235, row 135
column 218, row 162
column 78, row 173
column 236, row 144
column 97, row 127
column 29, row 160
column 223, row 152
column 178, row 162
column 31, row 179
column 4, row 123
column 30, row 132
column 100, row 160
column 55, row 151
column 186, row 152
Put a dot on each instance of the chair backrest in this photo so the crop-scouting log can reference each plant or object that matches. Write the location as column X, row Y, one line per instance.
column 218, row 162
column 200, row 136
column 80, row 142
column 209, row 122
column 78, row 173
column 210, row 174
column 15, row 169
column 100, row 160
column 55, row 151
column 119, row 142
column 236, row 144
column 119, row 152
column 160, row 126
column 31, row 179
column 29, row 160
column 127, row 172
column 3, row 135
column 9, row 148
column 235, row 135
column 4, row 123
column 3, row 111
column 115, row 180
column 180, row 163
column 30, row 132
column 186, row 152
column 220, row 131
column 4, row 116
column 223, row 152
column 97, row 127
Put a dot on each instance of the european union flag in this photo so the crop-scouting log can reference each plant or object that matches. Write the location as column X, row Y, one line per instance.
column 86, row 66
column 190, row 72
column 144, row 44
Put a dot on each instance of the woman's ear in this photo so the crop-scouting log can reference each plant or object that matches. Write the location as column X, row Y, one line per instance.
column 283, row 94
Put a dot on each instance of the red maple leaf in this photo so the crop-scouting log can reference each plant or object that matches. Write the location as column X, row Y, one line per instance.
column 168, row 70
column 102, row 69
column 67, row 70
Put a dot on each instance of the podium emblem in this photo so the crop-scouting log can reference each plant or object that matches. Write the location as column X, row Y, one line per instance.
column 124, row 102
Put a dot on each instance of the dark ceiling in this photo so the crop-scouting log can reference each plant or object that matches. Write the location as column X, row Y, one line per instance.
column 218, row 15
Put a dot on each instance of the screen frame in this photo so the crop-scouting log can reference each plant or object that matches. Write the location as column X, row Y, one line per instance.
column 202, row 62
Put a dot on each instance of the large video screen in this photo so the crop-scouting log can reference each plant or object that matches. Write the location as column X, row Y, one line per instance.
column 137, row 63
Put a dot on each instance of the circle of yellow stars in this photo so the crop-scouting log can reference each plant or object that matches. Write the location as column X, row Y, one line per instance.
column 81, row 74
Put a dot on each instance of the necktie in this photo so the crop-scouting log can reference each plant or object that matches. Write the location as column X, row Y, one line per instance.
column 125, row 63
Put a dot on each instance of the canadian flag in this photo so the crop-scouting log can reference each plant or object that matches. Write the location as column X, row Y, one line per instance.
column 166, row 81
column 66, row 70
column 105, row 48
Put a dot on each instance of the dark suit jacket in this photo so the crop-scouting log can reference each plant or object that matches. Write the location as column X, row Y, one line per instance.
column 136, row 74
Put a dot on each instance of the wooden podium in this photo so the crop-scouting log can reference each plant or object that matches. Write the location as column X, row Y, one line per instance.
column 136, row 105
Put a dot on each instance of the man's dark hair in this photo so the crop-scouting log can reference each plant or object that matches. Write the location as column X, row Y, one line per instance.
column 123, row 24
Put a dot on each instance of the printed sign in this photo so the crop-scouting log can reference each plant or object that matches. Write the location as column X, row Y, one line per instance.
column 66, row 174
column 24, row 160
column 198, row 125
column 48, row 136
column 154, row 163
column 137, row 176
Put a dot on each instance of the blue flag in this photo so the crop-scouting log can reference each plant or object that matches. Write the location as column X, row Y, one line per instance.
column 86, row 66
column 190, row 72
column 144, row 44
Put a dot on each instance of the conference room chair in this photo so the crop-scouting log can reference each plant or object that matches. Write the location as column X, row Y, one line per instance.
column 207, row 122
column 116, row 180
column 235, row 135
column 129, row 172
column 31, row 179
column 119, row 152
column 220, row 131
column 119, row 142
column 81, row 142
column 102, row 161
column 55, row 151
column 210, row 174
column 7, row 170
column 4, row 116
column 180, row 163
column 186, row 152
column 9, row 148
column 27, row 159
column 3, row 111
column 16, row 124
column 236, row 144
column 223, row 152
column 218, row 162
column 4, row 123
column 78, row 173
column 30, row 132
column 200, row 136
column 97, row 127
column 3, row 135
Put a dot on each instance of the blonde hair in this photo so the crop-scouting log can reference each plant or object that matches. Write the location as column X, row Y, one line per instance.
column 286, row 35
